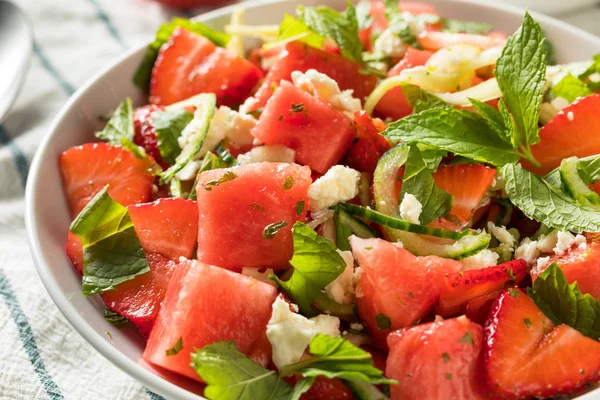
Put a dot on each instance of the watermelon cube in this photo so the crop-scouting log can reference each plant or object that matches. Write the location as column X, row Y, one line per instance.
column 205, row 304
column 319, row 133
column 237, row 204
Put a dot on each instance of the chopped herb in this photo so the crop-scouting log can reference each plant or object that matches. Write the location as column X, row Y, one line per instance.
column 467, row 338
column 281, row 117
column 271, row 230
column 513, row 292
column 448, row 376
column 446, row 357
column 227, row 176
column 299, row 207
column 368, row 248
column 297, row 107
column 288, row 183
column 108, row 334
column 410, row 294
column 527, row 323
column 114, row 318
column 257, row 207
column 256, row 113
column 511, row 274
column 176, row 349
column 582, row 371
column 383, row 321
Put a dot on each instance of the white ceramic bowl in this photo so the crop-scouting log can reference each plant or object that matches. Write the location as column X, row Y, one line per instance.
column 48, row 219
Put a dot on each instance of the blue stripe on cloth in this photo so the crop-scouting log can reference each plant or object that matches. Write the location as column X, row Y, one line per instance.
column 66, row 86
column 19, row 157
column 109, row 24
column 27, row 338
column 154, row 396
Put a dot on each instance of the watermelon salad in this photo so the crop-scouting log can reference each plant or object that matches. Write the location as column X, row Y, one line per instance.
column 375, row 203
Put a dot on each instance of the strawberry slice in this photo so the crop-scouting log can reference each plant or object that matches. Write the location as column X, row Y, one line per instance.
column 527, row 355
column 88, row 168
column 189, row 64
column 572, row 132
column 467, row 285
column 394, row 104
column 145, row 134
column 440, row 360
column 167, row 229
column 581, row 265
column 369, row 145
column 323, row 389
column 432, row 40
column 478, row 309
column 468, row 183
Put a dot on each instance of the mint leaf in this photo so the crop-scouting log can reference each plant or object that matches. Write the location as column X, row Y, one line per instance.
column 420, row 183
column 205, row 109
column 211, row 161
column 593, row 68
column 291, row 29
column 144, row 71
column 316, row 264
column 383, row 321
column 400, row 27
column 226, row 177
column 301, row 387
column 521, row 74
column 543, row 202
column 458, row 26
column 114, row 318
column 176, row 348
column 271, row 230
column 101, row 218
column 564, row 303
column 119, row 129
column 421, row 100
column 337, row 358
column 342, row 27
column 570, row 88
column 231, row 375
column 458, row 131
column 112, row 261
column 493, row 117
column 168, row 126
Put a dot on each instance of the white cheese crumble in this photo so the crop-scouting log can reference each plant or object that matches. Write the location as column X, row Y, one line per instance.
column 341, row 290
column 268, row 153
column 501, row 233
column 259, row 276
column 410, row 209
column 339, row 184
column 547, row 243
column 358, row 290
column 541, row 263
column 290, row 333
column 320, row 217
column 356, row 326
column 390, row 44
column 566, row 240
column 528, row 251
column 483, row 259
column 326, row 90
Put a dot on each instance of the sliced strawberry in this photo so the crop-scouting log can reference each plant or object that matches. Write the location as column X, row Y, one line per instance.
column 581, row 265
column 88, row 168
column 468, row 183
column 432, row 40
column 75, row 252
column 189, row 64
column 572, row 132
column 396, row 288
column 145, row 134
column 468, row 285
column 440, row 360
column 527, row 355
column 369, row 145
column 167, row 229
column 478, row 309
column 324, row 389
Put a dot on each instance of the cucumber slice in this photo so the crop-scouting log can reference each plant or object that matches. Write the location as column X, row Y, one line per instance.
column 365, row 391
column 588, row 167
column 330, row 307
column 575, row 186
column 346, row 225
column 386, row 203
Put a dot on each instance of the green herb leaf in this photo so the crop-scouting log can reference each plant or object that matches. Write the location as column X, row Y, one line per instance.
column 399, row 26
column 337, row 358
column 493, row 118
column 301, row 387
column 205, row 109
column 467, row 338
column 316, row 264
column 458, row 26
column 446, row 357
column 119, row 129
column 226, row 177
column 299, row 207
column 114, row 318
column 543, row 202
column 347, row 225
column 363, row 14
column 271, row 230
column 521, row 74
column 564, row 303
column 144, row 71
column 421, row 100
column 383, row 321
column 101, row 218
column 570, row 88
column 176, row 348
column 288, row 183
column 231, row 375
column 169, row 125
column 292, row 29
column 211, row 161
column 458, row 131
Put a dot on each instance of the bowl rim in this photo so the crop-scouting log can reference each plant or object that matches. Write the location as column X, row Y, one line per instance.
column 143, row 375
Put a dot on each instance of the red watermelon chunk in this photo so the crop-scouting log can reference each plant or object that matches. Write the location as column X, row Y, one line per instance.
column 300, row 57
column 234, row 214
column 205, row 304
column 189, row 64
column 319, row 133
column 396, row 285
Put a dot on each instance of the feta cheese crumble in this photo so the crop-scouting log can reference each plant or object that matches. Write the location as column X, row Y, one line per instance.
column 268, row 153
column 390, row 44
column 485, row 258
column 501, row 233
column 566, row 240
column 410, row 209
column 339, row 184
column 290, row 333
column 528, row 251
column 341, row 290
column 326, row 90
column 547, row 243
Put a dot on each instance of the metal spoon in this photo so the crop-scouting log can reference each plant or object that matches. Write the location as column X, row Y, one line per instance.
column 16, row 46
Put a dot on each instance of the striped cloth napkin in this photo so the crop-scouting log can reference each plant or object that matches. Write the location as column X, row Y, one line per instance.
column 41, row 356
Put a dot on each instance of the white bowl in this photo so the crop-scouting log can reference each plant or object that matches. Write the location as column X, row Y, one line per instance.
column 48, row 219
